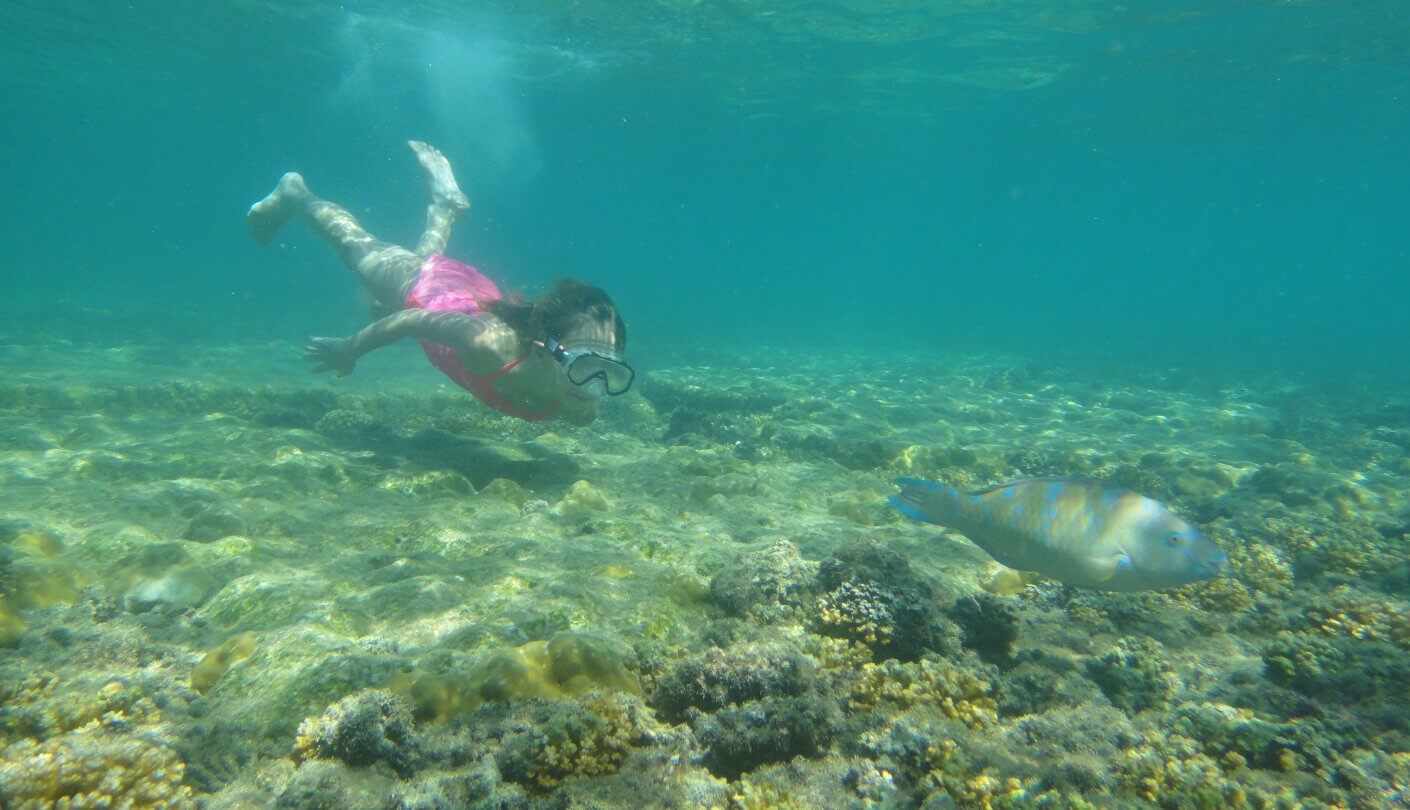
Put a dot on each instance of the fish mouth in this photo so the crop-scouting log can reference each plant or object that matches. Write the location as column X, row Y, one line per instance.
column 1214, row 566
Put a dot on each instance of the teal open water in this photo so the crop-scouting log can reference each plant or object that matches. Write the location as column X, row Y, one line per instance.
column 1163, row 245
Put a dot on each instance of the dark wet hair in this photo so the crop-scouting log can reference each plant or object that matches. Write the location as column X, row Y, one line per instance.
column 555, row 312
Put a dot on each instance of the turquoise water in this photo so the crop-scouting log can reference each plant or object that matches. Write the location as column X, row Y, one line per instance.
column 1167, row 177
column 1164, row 245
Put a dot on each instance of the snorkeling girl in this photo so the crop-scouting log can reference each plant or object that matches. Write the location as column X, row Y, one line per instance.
column 556, row 356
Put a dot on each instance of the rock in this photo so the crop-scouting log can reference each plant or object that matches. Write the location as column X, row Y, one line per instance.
column 717, row 678
column 741, row 738
column 990, row 625
column 212, row 523
column 182, row 588
column 581, row 501
column 769, row 584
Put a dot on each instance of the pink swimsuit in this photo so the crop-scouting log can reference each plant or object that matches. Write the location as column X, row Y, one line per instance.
column 447, row 285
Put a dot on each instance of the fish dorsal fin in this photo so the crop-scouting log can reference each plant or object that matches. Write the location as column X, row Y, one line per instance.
column 1038, row 479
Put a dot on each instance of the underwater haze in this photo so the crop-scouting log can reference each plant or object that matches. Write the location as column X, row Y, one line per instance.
column 1171, row 177
column 1164, row 245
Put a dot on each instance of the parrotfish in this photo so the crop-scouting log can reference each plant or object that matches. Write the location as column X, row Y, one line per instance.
column 1075, row 531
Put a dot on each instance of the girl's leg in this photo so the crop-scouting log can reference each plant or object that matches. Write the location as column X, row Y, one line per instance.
column 448, row 203
column 386, row 270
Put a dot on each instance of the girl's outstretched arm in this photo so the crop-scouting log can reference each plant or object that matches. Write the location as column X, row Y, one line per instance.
column 454, row 329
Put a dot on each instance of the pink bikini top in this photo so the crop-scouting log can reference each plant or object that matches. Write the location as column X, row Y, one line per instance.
column 447, row 285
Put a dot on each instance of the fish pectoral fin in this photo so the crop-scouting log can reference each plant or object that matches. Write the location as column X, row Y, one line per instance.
column 1005, row 582
column 1009, row 581
column 1102, row 569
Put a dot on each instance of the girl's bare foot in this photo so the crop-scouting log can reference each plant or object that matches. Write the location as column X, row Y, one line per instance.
column 440, row 180
column 267, row 216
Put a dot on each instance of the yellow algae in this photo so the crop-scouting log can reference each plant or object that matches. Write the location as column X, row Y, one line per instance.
column 38, row 544
column 435, row 697
column 233, row 546
column 519, row 672
column 838, row 654
column 1348, row 612
column 36, row 577
column 567, row 664
column 43, row 583
column 686, row 589
column 516, row 673
column 615, row 571
column 1220, row 595
column 579, row 662
column 214, row 665
column 12, row 626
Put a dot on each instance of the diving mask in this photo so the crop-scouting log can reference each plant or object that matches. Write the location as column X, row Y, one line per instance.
column 588, row 361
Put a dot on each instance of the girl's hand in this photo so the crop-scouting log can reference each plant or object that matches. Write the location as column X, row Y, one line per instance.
column 331, row 354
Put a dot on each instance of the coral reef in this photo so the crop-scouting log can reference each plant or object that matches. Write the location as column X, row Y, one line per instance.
column 1037, row 681
column 1070, row 749
column 42, row 706
column 860, row 612
column 1302, row 661
column 933, row 769
column 325, row 785
column 990, row 625
column 92, row 766
column 361, row 729
column 1134, row 674
column 1177, row 774
column 439, row 592
column 477, row 784
column 869, row 589
column 955, row 693
column 1238, row 736
column 590, row 737
column 1340, row 671
column 717, row 678
column 1348, row 612
column 749, row 705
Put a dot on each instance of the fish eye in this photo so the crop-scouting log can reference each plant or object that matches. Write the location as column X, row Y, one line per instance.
column 1175, row 540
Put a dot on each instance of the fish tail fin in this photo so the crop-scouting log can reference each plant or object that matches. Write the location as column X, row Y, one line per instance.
column 926, row 500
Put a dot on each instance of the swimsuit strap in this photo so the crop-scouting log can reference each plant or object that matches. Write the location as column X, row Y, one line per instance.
column 503, row 370
column 482, row 386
